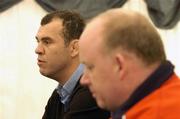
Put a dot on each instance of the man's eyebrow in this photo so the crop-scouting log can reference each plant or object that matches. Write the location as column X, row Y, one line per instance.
column 84, row 63
column 44, row 38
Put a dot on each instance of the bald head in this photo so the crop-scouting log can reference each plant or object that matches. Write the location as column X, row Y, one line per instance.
column 129, row 31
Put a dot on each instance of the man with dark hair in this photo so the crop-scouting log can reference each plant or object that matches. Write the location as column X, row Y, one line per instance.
column 126, row 67
column 58, row 59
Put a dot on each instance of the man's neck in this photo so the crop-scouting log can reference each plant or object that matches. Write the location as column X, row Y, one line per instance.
column 64, row 76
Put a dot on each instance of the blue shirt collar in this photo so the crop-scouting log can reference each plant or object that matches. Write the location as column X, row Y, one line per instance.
column 66, row 90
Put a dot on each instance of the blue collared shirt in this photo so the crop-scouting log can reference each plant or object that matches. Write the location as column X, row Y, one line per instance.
column 66, row 90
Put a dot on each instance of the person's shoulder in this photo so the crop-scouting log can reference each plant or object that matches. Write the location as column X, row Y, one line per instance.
column 82, row 98
column 83, row 105
column 53, row 99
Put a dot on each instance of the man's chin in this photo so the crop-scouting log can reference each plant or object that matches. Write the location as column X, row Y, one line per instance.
column 44, row 73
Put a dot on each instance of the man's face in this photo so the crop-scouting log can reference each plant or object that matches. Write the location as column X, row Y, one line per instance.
column 53, row 55
column 100, row 68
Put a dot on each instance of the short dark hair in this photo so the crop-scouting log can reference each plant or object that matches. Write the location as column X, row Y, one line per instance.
column 73, row 23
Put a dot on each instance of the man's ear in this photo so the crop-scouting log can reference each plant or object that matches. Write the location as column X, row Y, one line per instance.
column 74, row 47
column 120, row 65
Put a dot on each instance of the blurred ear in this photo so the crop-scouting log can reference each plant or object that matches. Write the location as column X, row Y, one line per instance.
column 120, row 63
column 74, row 48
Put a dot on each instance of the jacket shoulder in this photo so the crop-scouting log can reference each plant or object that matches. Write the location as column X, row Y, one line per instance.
column 83, row 105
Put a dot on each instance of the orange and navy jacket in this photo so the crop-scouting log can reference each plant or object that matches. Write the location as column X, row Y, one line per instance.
column 157, row 98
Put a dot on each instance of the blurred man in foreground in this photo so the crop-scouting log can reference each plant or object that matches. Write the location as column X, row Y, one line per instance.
column 126, row 68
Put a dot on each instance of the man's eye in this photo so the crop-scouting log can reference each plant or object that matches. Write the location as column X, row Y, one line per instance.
column 90, row 67
column 46, row 42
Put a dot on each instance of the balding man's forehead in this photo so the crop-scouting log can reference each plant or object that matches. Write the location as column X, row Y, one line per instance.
column 119, row 15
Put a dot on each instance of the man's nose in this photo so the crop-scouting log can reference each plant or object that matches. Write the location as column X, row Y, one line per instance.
column 39, row 49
